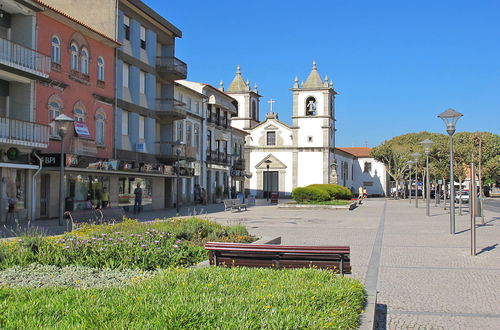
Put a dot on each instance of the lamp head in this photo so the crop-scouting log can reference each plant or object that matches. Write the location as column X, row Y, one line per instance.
column 450, row 118
column 415, row 155
column 62, row 123
column 427, row 145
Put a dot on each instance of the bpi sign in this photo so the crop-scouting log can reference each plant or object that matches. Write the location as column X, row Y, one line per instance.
column 51, row 160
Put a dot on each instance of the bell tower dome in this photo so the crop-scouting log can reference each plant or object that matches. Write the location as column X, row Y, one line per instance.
column 248, row 102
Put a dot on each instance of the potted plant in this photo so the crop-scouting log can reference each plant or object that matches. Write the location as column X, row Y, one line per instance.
column 218, row 194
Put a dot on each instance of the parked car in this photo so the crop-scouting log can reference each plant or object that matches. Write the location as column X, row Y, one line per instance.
column 465, row 196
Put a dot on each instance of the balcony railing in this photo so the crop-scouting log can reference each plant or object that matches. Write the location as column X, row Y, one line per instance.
column 172, row 67
column 23, row 133
column 170, row 109
column 186, row 152
column 239, row 164
column 217, row 157
column 23, row 58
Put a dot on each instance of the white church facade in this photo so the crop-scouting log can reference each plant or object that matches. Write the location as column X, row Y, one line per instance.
column 282, row 157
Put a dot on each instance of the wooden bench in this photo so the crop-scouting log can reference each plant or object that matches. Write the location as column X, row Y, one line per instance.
column 280, row 256
column 108, row 215
column 234, row 204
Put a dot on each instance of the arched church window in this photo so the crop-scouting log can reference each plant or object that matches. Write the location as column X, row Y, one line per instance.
column 310, row 106
column 254, row 110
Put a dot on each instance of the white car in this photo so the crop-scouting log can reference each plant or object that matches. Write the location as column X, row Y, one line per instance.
column 464, row 196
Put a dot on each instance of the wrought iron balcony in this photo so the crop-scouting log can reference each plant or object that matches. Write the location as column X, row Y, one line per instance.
column 170, row 109
column 168, row 153
column 171, row 68
column 239, row 164
column 23, row 133
column 217, row 157
column 22, row 59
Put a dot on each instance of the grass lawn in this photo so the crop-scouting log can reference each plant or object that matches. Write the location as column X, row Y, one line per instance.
column 223, row 298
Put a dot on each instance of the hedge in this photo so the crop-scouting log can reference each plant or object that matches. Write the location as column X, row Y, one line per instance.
column 335, row 191
column 302, row 194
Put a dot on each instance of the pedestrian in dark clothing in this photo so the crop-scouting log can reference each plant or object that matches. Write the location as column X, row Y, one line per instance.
column 138, row 198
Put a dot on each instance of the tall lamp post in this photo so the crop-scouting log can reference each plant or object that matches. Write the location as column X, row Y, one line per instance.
column 450, row 118
column 178, row 152
column 267, row 179
column 427, row 144
column 62, row 124
column 416, row 156
column 410, row 163
column 233, row 156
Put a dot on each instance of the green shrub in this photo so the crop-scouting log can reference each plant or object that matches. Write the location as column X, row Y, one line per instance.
column 303, row 194
column 334, row 191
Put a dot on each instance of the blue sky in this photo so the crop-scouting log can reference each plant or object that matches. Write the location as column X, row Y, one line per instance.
column 395, row 64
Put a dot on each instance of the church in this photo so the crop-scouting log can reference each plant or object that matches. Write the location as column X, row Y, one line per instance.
column 282, row 157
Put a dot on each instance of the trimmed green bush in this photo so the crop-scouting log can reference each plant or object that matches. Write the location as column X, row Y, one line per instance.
column 335, row 191
column 207, row 298
column 303, row 194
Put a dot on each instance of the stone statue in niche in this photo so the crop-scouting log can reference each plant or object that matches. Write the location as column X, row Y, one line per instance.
column 311, row 108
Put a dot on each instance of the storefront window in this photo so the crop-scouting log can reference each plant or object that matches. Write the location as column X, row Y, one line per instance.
column 82, row 189
column 15, row 187
column 126, row 195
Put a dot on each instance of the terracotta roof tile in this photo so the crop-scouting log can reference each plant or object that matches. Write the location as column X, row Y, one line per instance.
column 357, row 151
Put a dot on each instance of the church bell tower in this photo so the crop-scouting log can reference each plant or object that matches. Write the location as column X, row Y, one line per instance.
column 314, row 118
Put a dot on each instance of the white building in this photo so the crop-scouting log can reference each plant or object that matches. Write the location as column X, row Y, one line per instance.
column 282, row 157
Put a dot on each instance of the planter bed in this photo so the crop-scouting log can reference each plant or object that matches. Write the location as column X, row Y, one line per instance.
column 292, row 205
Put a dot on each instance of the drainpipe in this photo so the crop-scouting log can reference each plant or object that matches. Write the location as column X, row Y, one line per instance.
column 33, row 187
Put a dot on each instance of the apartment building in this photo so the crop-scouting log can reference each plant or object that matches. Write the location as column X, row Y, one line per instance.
column 21, row 66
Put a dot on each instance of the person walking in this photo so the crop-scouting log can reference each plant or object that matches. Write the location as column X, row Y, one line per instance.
column 360, row 194
column 138, row 199
column 105, row 197
column 204, row 196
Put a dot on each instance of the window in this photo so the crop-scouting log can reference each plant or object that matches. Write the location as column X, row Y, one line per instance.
column 310, row 106
column 181, row 97
column 180, row 131
column 368, row 167
column 126, row 27
column 271, row 138
column 74, row 57
column 85, row 61
column 188, row 103
column 196, row 135
column 209, row 141
column 125, row 74
column 143, row 37
column 141, row 127
column 124, row 122
column 79, row 115
column 142, row 82
column 254, row 110
column 100, row 69
column 99, row 129
column 197, row 108
column 56, row 50
column 225, row 119
column 54, row 111
column 310, row 139
column 189, row 134
column 217, row 115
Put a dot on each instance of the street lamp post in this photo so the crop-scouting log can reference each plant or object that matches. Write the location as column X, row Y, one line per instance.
column 450, row 118
column 231, row 172
column 62, row 124
column 427, row 144
column 410, row 163
column 416, row 155
column 267, row 179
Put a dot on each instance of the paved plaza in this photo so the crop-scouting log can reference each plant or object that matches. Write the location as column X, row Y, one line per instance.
column 425, row 277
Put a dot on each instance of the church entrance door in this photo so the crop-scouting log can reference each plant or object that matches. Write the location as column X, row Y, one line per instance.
column 271, row 183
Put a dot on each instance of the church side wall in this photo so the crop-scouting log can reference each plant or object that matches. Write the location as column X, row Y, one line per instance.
column 310, row 168
column 311, row 127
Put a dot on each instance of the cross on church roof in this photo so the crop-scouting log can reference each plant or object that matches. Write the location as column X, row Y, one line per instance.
column 271, row 101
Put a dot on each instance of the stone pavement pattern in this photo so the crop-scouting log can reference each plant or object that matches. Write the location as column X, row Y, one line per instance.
column 425, row 277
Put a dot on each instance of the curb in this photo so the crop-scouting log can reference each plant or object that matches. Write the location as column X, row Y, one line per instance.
column 368, row 317
column 351, row 206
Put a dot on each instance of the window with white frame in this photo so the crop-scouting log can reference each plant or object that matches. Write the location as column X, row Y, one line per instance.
column 54, row 111
column 180, row 130
column 271, row 138
column 56, row 50
column 143, row 37
column 126, row 27
column 99, row 129
column 85, row 61
column 141, row 127
column 197, row 107
column 142, row 82
column 188, row 103
column 196, row 135
column 74, row 57
column 189, row 134
column 125, row 74
column 100, row 69
column 124, row 122
column 79, row 114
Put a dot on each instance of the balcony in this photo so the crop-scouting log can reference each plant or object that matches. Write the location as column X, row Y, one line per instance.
column 23, row 133
column 171, row 68
column 239, row 164
column 168, row 153
column 217, row 157
column 22, row 60
column 169, row 109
